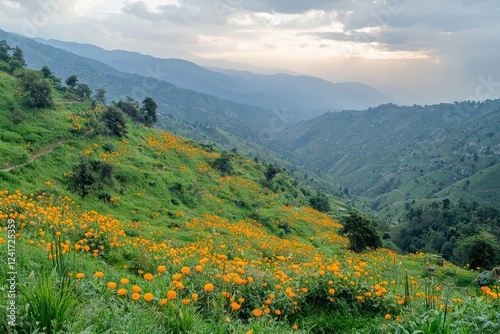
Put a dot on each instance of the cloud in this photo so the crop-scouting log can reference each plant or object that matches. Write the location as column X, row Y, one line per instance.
column 420, row 44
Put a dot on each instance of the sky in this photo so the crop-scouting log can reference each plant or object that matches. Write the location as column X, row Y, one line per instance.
column 419, row 51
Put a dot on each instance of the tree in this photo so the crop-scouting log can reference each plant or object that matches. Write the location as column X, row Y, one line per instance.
column 320, row 202
column 83, row 91
column 115, row 121
column 37, row 92
column 46, row 72
column 4, row 51
column 71, row 81
column 148, row 109
column 17, row 60
column 223, row 163
column 361, row 232
column 271, row 171
column 480, row 252
column 82, row 179
column 100, row 96
column 131, row 108
column 50, row 77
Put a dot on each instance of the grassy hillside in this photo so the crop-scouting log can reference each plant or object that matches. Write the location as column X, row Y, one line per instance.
column 172, row 240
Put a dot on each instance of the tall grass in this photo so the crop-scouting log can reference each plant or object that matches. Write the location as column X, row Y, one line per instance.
column 50, row 302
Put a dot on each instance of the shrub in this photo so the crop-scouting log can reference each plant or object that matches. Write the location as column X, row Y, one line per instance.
column 224, row 164
column 320, row 202
column 361, row 232
column 115, row 121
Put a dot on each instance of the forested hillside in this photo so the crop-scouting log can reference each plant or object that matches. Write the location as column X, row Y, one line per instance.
column 392, row 156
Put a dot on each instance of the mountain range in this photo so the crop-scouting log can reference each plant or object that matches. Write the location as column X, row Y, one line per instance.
column 303, row 96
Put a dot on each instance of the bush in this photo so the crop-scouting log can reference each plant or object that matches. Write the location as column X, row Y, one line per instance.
column 37, row 92
column 320, row 202
column 485, row 278
column 361, row 232
column 480, row 252
column 224, row 164
column 115, row 121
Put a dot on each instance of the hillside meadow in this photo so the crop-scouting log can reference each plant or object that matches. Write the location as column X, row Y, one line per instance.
column 175, row 236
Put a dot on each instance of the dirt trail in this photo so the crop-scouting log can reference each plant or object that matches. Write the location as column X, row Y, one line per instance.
column 35, row 156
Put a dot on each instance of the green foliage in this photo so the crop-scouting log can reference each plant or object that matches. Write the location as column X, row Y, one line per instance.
column 18, row 116
column 83, row 91
column 100, row 96
column 361, row 232
column 224, row 163
column 486, row 278
column 50, row 303
column 71, row 81
column 148, row 109
column 82, row 179
column 480, row 252
column 17, row 61
column 49, row 76
column 271, row 171
column 37, row 92
column 89, row 175
column 115, row 121
column 320, row 202
column 4, row 51
column 440, row 227
column 131, row 108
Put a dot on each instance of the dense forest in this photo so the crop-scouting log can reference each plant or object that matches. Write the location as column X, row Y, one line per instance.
column 462, row 232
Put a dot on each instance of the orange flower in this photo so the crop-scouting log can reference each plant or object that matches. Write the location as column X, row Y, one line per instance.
column 257, row 312
column 98, row 274
column 80, row 275
column 387, row 316
column 148, row 277
column 171, row 294
column 198, row 268
column 176, row 276
column 295, row 326
column 163, row 301
column 194, row 296
column 161, row 269
column 209, row 287
column 136, row 296
column 124, row 281
column 136, row 288
column 277, row 312
column 111, row 285
column 148, row 297
column 186, row 301
column 235, row 306
column 185, row 270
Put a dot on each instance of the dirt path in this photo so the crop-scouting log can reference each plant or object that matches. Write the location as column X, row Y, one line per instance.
column 35, row 156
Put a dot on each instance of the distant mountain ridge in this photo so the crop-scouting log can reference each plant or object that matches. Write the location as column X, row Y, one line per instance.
column 303, row 96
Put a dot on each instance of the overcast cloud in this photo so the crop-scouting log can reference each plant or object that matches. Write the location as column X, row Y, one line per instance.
column 438, row 49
